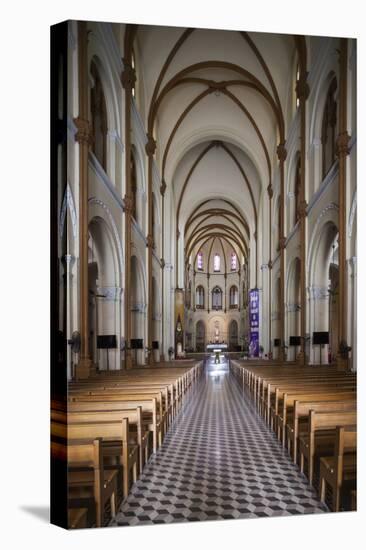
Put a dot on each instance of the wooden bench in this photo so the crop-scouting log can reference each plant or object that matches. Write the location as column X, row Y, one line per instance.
column 92, row 483
column 341, row 467
column 115, row 437
column 137, row 428
column 314, row 442
column 119, row 402
column 301, row 409
column 77, row 518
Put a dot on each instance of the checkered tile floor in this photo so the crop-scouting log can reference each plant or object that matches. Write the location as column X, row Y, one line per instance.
column 218, row 461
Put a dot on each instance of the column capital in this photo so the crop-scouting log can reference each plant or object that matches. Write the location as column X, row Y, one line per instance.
column 83, row 132
column 128, row 203
column 128, row 76
column 343, row 144
column 149, row 241
column 281, row 151
column 150, row 146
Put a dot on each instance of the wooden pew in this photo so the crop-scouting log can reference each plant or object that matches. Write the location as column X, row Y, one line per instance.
column 140, row 436
column 77, row 518
column 340, row 467
column 119, row 402
column 95, row 483
column 115, row 437
column 306, row 403
column 312, row 441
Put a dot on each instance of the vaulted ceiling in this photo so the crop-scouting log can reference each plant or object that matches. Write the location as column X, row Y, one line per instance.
column 217, row 103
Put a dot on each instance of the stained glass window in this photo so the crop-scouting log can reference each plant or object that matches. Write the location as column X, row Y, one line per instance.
column 200, row 260
column 234, row 261
column 217, row 262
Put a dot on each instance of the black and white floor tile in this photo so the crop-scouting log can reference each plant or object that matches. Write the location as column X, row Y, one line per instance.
column 218, row 461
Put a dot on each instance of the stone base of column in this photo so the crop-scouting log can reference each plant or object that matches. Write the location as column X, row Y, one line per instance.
column 85, row 369
column 342, row 363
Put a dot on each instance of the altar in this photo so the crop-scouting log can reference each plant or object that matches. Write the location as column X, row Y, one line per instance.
column 216, row 347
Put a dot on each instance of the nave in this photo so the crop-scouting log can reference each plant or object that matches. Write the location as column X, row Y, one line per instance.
column 218, row 461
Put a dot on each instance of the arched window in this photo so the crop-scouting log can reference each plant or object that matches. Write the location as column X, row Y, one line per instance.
column 133, row 187
column 200, row 261
column 200, row 297
column 297, row 190
column 217, row 262
column 329, row 132
column 216, row 298
column 233, row 297
column 98, row 117
column 234, row 262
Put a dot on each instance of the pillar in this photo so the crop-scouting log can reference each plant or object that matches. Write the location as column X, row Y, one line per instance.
column 128, row 80
column 342, row 153
column 83, row 137
column 302, row 92
column 282, row 154
column 150, row 151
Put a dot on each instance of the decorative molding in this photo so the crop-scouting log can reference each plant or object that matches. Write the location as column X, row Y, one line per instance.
column 110, row 293
column 94, row 200
column 83, row 131
column 68, row 201
column 103, row 178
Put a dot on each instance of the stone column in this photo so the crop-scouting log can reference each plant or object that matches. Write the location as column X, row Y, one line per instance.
column 83, row 136
column 68, row 261
column 270, row 343
column 208, row 293
column 128, row 79
column 282, row 154
column 352, row 326
column 342, row 153
column 302, row 92
column 225, row 306
column 150, row 151
column 162, row 263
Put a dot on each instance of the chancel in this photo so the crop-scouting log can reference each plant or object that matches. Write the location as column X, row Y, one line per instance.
column 204, row 211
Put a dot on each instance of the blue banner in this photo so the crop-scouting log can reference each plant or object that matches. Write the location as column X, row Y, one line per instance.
column 254, row 322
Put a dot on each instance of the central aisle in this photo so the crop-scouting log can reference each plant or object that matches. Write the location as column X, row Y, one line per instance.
column 219, row 461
